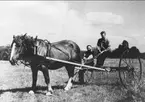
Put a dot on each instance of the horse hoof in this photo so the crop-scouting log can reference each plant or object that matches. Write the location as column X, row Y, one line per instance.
column 66, row 88
column 49, row 93
column 31, row 92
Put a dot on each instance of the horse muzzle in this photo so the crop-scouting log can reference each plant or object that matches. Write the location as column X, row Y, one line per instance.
column 13, row 62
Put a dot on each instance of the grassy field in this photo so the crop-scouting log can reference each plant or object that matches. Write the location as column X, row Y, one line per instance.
column 15, row 83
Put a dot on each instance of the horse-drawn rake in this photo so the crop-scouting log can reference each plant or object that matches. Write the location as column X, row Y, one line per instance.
column 129, row 68
column 42, row 55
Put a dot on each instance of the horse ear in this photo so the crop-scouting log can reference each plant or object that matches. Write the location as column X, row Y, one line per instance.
column 36, row 37
column 13, row 36
column 25, row 34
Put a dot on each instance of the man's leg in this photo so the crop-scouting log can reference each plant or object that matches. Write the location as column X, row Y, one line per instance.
column 81, row 76
column 101, row 59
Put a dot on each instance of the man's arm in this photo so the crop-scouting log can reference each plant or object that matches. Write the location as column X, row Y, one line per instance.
column 84, row 57
column 108, row 45
column 90, row 57
column 108, row 48
column 99, row 43
column 108, row 42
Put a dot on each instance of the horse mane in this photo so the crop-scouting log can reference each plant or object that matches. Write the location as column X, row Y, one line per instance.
column 39, row 46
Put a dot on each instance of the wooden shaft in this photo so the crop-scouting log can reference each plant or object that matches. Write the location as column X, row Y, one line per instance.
column 76, row 64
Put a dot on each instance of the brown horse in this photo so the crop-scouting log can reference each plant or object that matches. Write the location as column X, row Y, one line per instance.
column 34, row 51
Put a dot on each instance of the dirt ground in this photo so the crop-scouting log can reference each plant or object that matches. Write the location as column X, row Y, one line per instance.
column 15, row 83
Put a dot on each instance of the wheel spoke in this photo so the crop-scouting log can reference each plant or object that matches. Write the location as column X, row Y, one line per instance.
column 126, row 63
column 132, row 75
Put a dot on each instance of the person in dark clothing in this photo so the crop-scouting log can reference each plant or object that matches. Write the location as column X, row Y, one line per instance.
column 124, row 46
column 103, row 42
column 88, row 59
column 88, row 56
column 104, row 48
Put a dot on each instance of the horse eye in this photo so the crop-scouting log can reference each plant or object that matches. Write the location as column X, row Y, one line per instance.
column 17, row 45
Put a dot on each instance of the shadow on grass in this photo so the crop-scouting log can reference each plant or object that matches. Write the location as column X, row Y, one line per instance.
column 44, row 88
column 27, row 89
column 128, row 99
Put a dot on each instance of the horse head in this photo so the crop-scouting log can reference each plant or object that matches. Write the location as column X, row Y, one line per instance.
column 22, row 46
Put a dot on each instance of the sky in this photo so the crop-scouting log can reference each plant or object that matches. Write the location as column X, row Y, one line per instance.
column 80, row 21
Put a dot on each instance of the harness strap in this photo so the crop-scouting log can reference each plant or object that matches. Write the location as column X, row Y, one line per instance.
column 49, row 46
column 48, row 49
column 35, row 50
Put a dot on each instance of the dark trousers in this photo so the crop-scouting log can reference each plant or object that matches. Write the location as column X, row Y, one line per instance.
column 81, row 72
column 101, row 58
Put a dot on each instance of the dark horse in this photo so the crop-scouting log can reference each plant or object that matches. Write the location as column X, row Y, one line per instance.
column 34, row 51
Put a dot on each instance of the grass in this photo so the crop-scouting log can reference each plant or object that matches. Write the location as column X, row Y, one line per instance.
column 15, row 83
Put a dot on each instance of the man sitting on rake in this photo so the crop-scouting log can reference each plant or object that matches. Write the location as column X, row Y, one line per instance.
column 88, row 56
column 104, row 49
column 98, row 60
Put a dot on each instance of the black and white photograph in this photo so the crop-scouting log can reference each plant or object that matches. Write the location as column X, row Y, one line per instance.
column 72, row 51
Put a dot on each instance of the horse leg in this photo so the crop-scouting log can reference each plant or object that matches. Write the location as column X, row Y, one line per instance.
column 47, row 80
column 34, row 79
column 70, row 71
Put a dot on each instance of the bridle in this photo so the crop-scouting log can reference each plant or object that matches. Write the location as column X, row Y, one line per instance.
column 29, row 45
